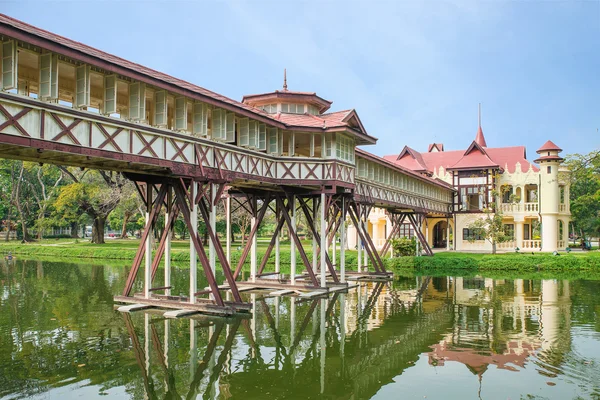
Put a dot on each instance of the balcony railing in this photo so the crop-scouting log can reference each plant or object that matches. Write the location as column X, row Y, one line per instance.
column 511, row 244
column 561, row 244
column 532, row 244
column 520, row 207
column 562, row 208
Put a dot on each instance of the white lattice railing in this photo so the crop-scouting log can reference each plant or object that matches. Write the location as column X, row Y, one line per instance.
column 532, row 244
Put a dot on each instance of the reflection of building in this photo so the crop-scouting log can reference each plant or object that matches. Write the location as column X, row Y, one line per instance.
column 532, row 319
column 527, row 194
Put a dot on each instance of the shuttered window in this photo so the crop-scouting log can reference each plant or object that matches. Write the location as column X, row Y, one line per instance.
column 181, row 113
column 244, row 126
column 218, row 124
column 230, row 130
column 9, row 65
column 82, row 85
column 137, row 101
column 110, row 94
column 273, row 138
column 262, row 137
column 160, row 108
column 200, row 119
column 48, row 76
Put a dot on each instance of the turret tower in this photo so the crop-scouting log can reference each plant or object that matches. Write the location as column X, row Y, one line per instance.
column 549, row 195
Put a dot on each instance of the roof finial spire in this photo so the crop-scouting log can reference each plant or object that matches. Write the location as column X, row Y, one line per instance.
column 284, row 80
column 479, row 138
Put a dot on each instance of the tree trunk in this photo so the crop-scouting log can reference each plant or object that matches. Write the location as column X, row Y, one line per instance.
column 494, row 248
column 124, row 228
column 98, row 230
column 74, row 230
column 8, row 216
column 40, row 234
column 26, row 237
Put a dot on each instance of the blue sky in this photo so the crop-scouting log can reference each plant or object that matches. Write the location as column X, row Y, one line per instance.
column 415, row 71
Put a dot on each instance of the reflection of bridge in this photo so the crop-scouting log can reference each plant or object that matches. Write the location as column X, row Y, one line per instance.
column 186, row 147
column 289, row 353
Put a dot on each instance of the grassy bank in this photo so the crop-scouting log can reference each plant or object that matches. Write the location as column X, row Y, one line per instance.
column 537, row 264
column 125, row 250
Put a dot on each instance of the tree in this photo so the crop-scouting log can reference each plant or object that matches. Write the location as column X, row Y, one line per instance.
column 585, row 192
column 43, row 182
column 490, row 227
column 126, row 211
column 96, row 192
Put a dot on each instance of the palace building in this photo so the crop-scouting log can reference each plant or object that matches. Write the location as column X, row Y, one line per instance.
column 532, row 197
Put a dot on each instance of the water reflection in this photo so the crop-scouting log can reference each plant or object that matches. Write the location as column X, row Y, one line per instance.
column 440, row 337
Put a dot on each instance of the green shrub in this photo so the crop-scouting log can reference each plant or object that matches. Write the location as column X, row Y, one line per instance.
column 405, row 247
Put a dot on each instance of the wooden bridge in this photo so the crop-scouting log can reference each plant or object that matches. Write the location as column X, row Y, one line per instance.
column 187, row 149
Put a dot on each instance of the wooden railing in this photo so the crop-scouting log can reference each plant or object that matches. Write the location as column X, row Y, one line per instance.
column 51, row 127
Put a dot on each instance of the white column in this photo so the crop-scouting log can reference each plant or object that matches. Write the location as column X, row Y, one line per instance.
column 167, row 337
column 293, row 244
column 519, row 234
column 292, row 328
column 365, row 225
column 228, row 229
column 277, row 258
column 343, row 244
column 253, row 251
column 333, row 251
column 147, row 341
column 212, row 219
column 168, row 217
column 447, row 235
column 193, row 255
column 148, row 244
column 323, row 241
column 193, row 349
column 359, row 247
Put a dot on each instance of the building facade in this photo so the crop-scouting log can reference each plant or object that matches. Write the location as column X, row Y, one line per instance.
column 533, row 198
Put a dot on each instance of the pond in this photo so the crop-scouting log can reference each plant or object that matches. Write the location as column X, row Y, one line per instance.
column 442, row 337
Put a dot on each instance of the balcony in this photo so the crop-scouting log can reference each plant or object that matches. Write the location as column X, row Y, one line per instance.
column 528, row 208
column 562, row 208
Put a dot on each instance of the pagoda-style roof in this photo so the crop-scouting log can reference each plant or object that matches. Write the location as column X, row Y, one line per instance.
column 288, row 96
column 549, row 146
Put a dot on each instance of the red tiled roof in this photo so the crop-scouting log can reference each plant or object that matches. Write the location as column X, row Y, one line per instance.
column 413, row 159
column 438, row 146
column 118, row 61
column 111, row 63
column 474, row 157
column 388, row 162
column 505, row 157
column 549, row 146
column 479, row 138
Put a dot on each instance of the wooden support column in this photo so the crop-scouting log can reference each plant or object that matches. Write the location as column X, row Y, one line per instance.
column 292, row 227
column 343, row 244
column 169, row 217
column 212, row 222
column 277, row 259
column 314, row 236
column 323, row 242
column 193, row 217
column 148, row 243
column 253, row 246
column 253, row 231
column 198, row 248
column 359, row 245
column 228, row 229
